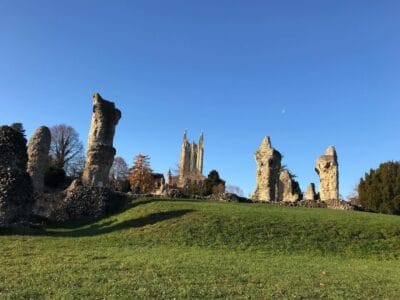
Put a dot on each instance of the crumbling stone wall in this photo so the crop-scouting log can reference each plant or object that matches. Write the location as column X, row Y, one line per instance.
column 16, row 191
column 327, row 168
column 100, row 151
column 268, row 168
column 288, row 188
column 38, row 156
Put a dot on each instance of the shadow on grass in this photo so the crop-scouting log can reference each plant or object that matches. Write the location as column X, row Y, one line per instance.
column 98, row 229
column 74, row 228
column 73, row 224
column 95, row 229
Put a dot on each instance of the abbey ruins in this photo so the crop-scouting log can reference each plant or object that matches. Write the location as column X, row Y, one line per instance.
column 22, row 168
column 276, row 184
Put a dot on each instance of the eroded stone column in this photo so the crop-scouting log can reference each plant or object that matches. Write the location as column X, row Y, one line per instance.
column 268, row 168
column 100, row 151
column 327, row 168
column 38, row 156
column 310, row 194
column 288, row 188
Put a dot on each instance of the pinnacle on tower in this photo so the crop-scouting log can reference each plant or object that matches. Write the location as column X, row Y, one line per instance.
column 185, row 135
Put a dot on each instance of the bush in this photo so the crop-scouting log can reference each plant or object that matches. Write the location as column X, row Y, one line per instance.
column 122, row 186
column 214, row 184
column 55, row 177
column 379, row 190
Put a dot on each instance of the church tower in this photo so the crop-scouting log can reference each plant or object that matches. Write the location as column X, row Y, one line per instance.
column 191, row 160
column 200, row 154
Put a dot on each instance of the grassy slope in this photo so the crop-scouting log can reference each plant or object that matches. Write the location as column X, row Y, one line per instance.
column 191, row 249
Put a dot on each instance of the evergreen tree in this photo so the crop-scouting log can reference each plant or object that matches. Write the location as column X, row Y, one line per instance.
column 379, row 190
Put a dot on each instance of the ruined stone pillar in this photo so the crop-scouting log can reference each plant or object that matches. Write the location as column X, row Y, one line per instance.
column 38, row 156
column 100, row 151
column 310, row 194
column 288, row 188
column 327, row 168
column 268, row 168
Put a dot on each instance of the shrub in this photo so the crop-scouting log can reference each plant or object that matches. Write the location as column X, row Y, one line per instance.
column 55, row 177
column 379, row 190
column 213, row 184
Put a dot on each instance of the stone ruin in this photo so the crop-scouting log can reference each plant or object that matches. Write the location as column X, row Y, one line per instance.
column 276, row 184
column 327, row 168
column 273, row 183
column 16, row 191
column 310, row 194
column 90, row 196
column 268, row 168
column 100, row 151
column 38, row 157
column 288, row 188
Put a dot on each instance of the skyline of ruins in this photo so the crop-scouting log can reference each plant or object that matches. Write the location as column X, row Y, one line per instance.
column 307, row 75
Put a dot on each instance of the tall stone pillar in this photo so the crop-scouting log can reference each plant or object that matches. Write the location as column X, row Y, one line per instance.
column 100, row 151
column 268, row 169
column 38, row 156
column 327, row 168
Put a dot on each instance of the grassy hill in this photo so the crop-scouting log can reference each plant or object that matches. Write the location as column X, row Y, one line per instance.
column 204, row 249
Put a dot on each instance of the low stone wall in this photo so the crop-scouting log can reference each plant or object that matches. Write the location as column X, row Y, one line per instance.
column 78, row 201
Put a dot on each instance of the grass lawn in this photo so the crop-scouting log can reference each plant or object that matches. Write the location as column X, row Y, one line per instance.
column 203, row 249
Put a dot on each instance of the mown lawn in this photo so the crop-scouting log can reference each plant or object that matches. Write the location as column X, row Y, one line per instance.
column 202, row 249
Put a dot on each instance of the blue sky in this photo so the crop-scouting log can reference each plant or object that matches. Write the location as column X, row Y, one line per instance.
column 307, row 73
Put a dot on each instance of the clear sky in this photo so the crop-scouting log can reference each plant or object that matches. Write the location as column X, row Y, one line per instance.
column 307, row 73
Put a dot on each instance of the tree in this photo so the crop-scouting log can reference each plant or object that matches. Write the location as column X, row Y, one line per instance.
column 75, row 166
column 55, row 177
column 66, row 149
column 234, row 189
column 214, row 184
column 18, row 127
column 119, row 175
column 140, row 178
column 119, row 169
column 379, row 190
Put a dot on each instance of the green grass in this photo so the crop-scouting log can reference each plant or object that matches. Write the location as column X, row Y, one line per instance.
column 203, row 249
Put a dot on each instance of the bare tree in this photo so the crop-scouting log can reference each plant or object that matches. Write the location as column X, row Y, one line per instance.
column 65, row 146
column 234, row 189
column 119, row 169
column 75, row 166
